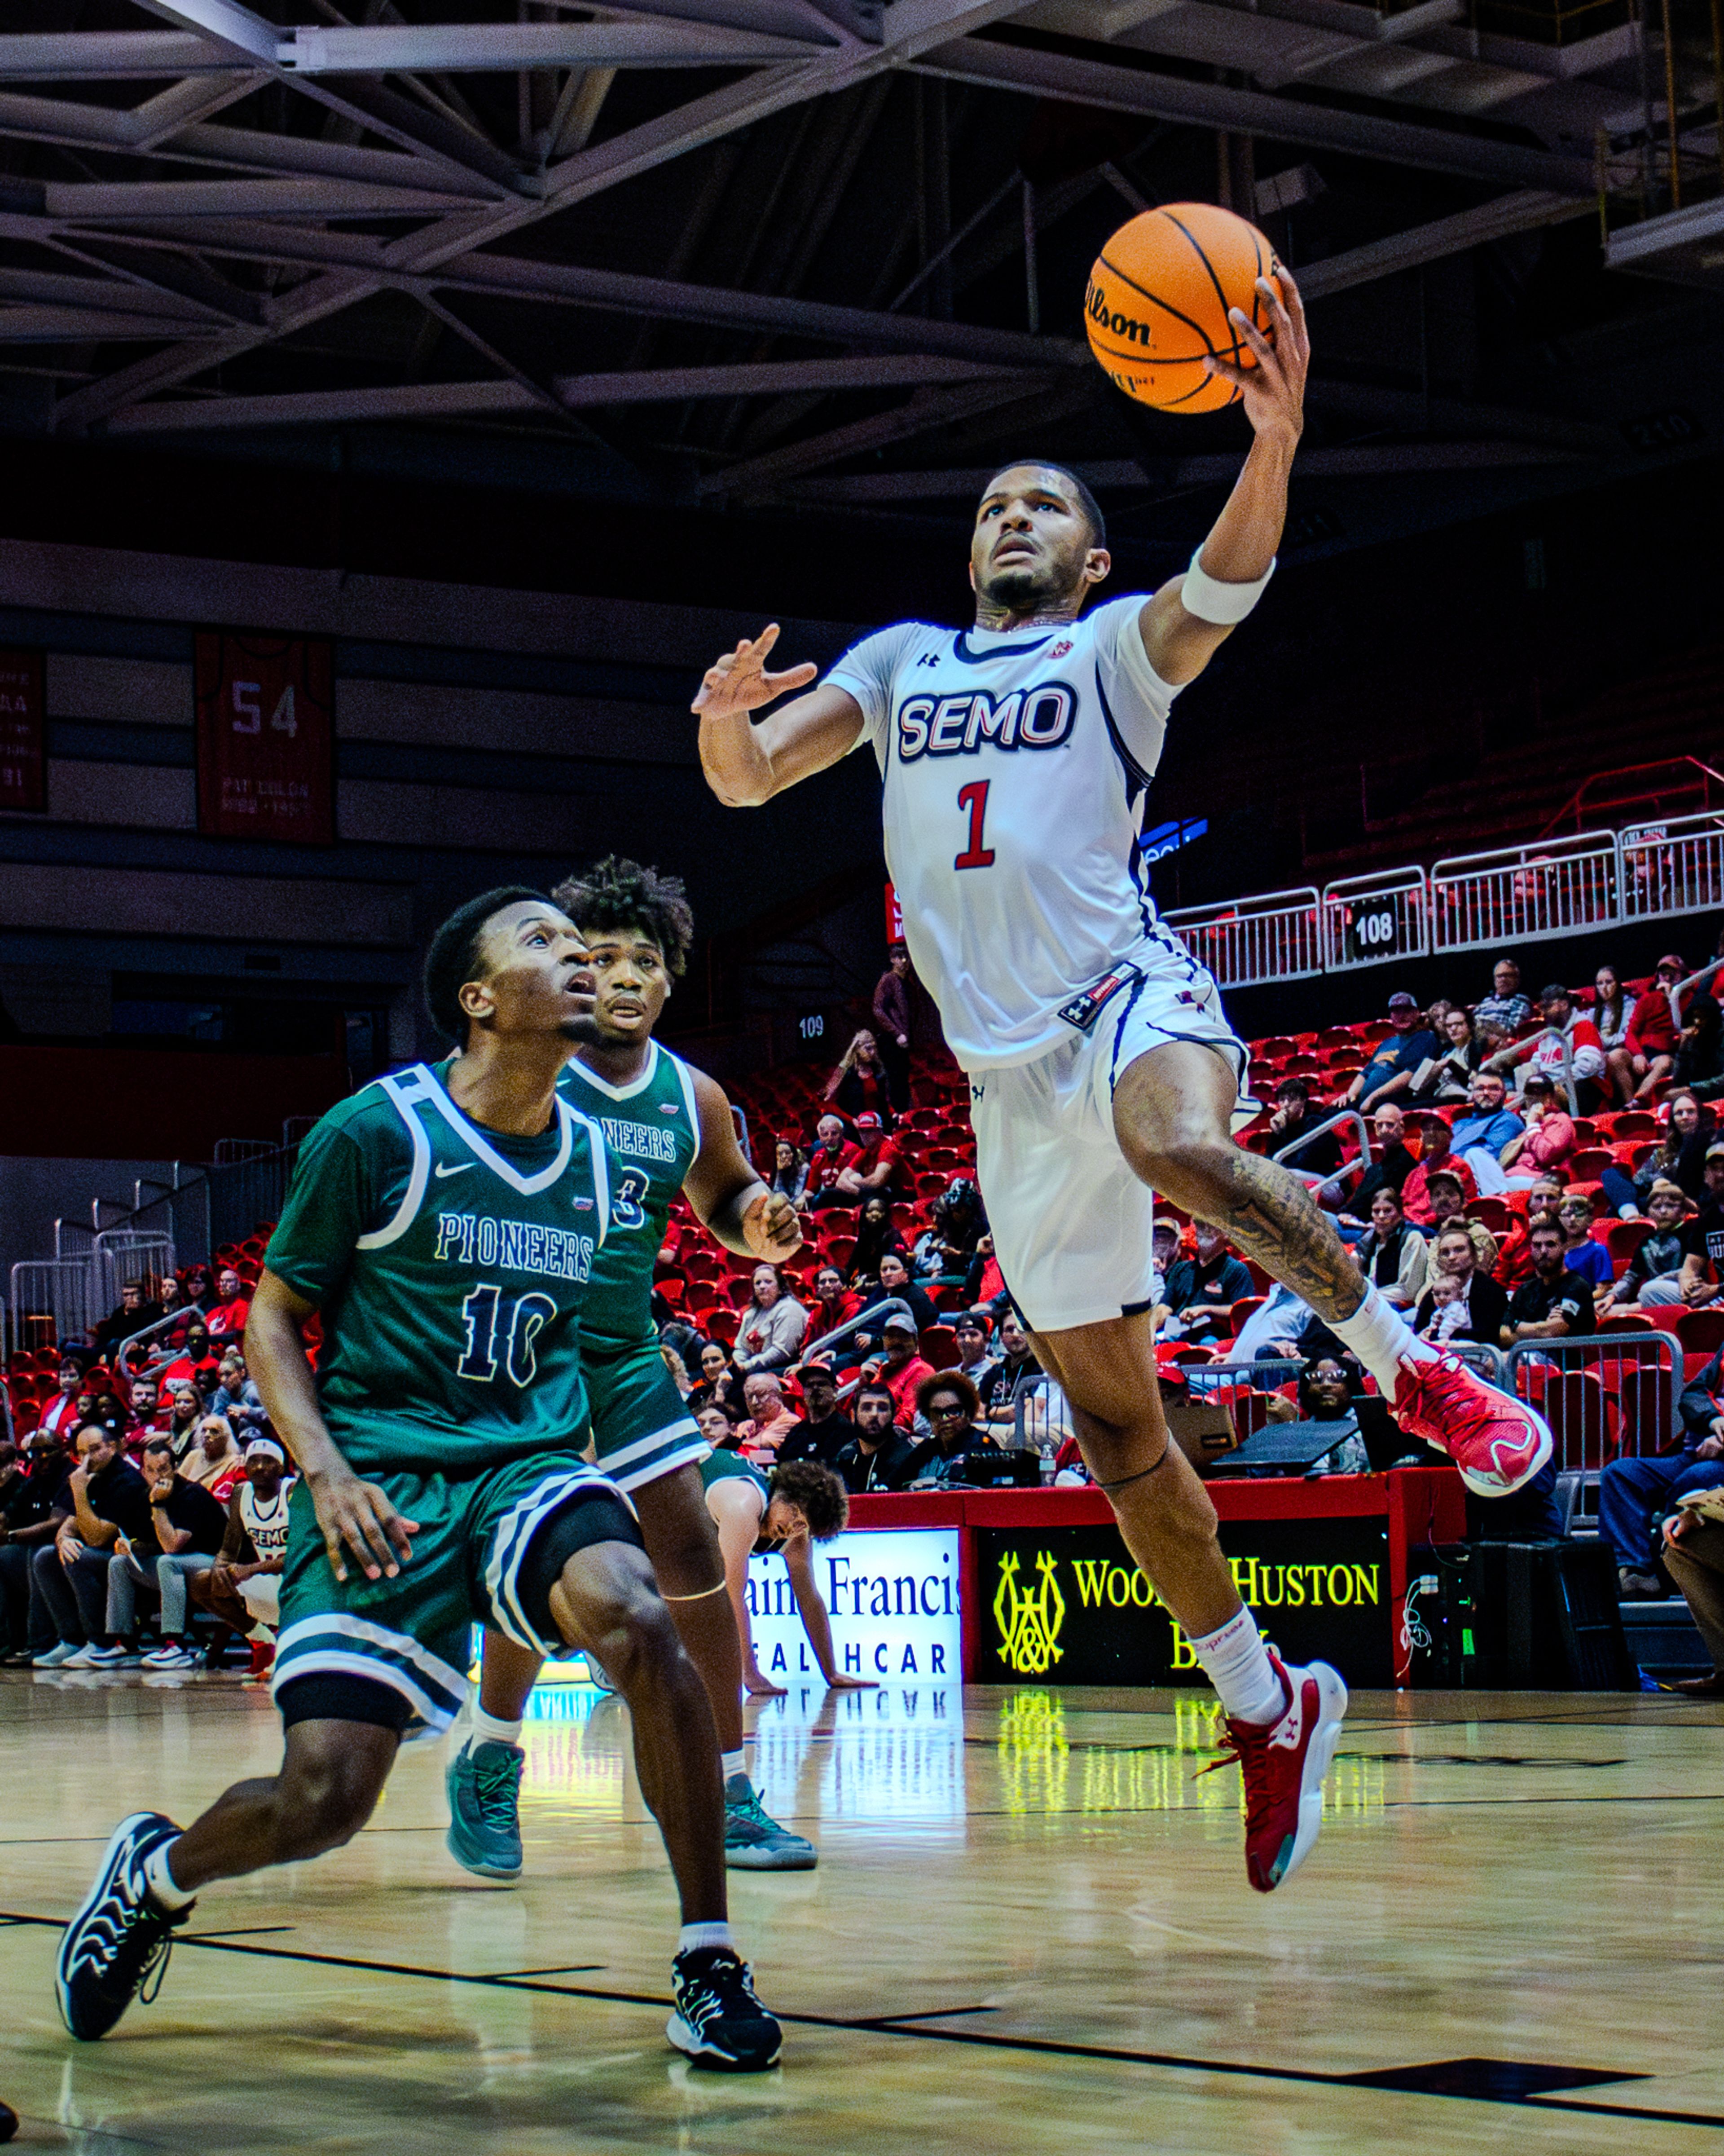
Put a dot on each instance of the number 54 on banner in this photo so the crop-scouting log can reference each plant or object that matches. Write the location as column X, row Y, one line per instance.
column 265, row 753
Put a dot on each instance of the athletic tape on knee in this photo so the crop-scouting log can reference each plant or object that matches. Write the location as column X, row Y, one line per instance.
column 1211, row 600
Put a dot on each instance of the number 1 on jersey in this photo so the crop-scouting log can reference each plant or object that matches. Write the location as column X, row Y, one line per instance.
column 973, row 797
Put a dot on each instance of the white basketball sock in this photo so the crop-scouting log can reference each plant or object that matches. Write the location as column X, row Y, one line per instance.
column 693, row 1937
column 1381, row 1339
column 160, row 1880
column 492, row 1729
column 1237, row 1663
column 731, row 1763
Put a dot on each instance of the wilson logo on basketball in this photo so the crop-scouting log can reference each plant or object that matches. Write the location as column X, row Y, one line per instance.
column 1109, row 318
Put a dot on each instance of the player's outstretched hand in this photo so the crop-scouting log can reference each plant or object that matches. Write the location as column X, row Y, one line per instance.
column 739, row 681
column 771, row 1228
column 356, row 1516
column 1273, row 392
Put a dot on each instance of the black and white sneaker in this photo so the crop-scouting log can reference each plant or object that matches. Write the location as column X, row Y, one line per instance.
column 119, row 1940
column 719, row 2021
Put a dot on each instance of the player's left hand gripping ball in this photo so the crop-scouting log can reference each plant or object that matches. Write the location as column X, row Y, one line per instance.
column 1273, row 391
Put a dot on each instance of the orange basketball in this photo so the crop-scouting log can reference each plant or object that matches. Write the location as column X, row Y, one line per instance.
column 1157, row 302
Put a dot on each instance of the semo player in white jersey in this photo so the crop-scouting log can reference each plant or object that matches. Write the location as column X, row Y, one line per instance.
column 1014, row 755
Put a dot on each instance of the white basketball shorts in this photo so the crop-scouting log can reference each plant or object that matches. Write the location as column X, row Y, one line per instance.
column 1070, row 1222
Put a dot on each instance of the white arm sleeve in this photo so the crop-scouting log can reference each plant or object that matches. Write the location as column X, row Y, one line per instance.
column 868, row 670
column 1138, row 700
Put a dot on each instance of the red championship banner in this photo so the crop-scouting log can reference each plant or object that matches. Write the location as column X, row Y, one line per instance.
column 23, row 765
column 265, row 740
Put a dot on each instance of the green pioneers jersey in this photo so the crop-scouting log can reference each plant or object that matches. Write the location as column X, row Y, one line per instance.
column 653, row 1127
column 450, row 1266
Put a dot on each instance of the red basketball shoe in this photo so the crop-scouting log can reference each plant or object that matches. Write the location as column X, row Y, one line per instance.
column 1282, row 1764
column 1496, row 1441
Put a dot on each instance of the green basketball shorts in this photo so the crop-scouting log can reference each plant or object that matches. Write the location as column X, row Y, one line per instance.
column 414, row 1633
column 641, row 1429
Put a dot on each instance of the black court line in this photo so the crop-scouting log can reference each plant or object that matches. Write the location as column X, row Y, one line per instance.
column 1440, row 2084
column 239, row 1931
column 557, row 1968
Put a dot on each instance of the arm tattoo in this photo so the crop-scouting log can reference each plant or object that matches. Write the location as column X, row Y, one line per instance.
column 1271, row 1216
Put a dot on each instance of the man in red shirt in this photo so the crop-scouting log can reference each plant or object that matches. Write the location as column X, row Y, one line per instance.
column 1513, row 1263
column 902, row 1369
column 233, row 1307
column 868, row 1166
column 1648, row 1049
column 1547, row 1053
column 825, row 1160
column 66, row 1414
column 1434, row 1154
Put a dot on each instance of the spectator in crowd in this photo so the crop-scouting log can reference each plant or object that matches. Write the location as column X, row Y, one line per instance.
column 1514, row 1264
column 1554, row 1304
column 970, row 1334
column 185, row 1411
column 958, row 1224
column 235, row 1395
column 718, row 1423
column 242, row 1591
column 109, row 1499
column 1505, row 1006
column 1647, row 1052
column 948, row 1403
column 227, row 1317
column 1659, row 1258
column 1634, row 1493
column 769, row 1422
column 717, row 1378
column 859, row 1085
column 1328, row 1387
column 1292, row 1125
column 892, row 1021
column 34, row 1501
column 1481, row 1137
column 875, row 1235
column 879, row 1456
column 1202, row 1291
column 1567, row 1045
column 1694, row 1557
column 834, row 1305
column 1448, row 1210
column 1460, row 1301
column 1434, row 1158
column 145, row 1401
column 900, row 1368
column 1696, row 1286
column 1016, row 1367
column 1581, row 1254
column 895, row 1280
column 1449, row 1075
column 822, row 1431
column 1698, row 1057
column 195, row 1362
column 1679, row 1156
column 790, row 1168
column 827, row 1158
column 131, row 1316
column 1164, row 1255
column 1392, row 1253
column 774, row 1327
column 215, row 1462
column 1391, row 1168
column 185, row 1529
column 1277, row 1331
column 1545, row 1143
column 1611, row 1013
column 868, row 1166
column 64, row 1413
column 1390, row 1070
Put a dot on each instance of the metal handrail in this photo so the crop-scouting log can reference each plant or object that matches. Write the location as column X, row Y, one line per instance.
column 1694, row 981
column 863, row 1322
column 1309, row 1175
column 155, row 1324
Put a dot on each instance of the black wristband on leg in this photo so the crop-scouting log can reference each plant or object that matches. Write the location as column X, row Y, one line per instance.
column 596, row 1516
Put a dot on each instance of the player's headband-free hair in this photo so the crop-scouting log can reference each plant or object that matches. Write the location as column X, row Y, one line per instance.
column 1211, row 600
column 453, row 957
column 1080, row 495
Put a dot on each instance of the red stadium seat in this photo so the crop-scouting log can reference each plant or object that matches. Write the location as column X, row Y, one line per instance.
column 1700, row 1332
column 939, row 1346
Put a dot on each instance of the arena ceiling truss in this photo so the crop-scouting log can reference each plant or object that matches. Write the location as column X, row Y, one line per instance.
column 747, row 245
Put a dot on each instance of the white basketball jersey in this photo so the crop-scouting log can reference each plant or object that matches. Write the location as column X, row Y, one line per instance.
column 266, row 1524
column 1014, row 765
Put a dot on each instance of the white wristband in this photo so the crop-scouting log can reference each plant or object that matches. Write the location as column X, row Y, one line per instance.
column 1211, row 600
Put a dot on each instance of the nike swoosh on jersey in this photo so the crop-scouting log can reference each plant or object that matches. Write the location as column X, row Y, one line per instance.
column 442, row 1171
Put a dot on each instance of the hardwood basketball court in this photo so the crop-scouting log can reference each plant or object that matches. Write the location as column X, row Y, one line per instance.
column 1030, row 1930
